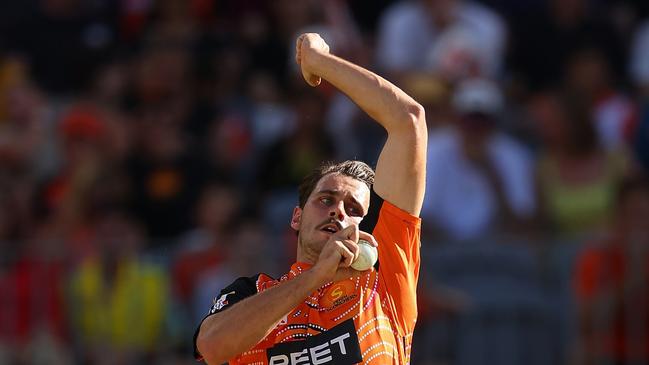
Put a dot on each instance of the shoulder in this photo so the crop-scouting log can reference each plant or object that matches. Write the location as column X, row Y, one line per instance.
column 383, row 212
column 238, row 290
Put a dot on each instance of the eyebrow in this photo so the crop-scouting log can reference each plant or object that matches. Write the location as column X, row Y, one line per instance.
column 338, row 193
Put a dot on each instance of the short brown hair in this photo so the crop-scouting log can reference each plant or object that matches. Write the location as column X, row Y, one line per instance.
column 355, row 169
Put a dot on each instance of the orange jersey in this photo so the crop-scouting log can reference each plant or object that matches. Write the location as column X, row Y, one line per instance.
column 367, row 319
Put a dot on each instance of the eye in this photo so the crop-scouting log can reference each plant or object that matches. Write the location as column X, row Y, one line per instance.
column 326, row 200
column 355, row 212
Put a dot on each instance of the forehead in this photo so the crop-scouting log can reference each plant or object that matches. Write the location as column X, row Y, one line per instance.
column 347, row 186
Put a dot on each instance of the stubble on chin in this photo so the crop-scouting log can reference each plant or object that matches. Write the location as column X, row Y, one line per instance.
column 310, row 248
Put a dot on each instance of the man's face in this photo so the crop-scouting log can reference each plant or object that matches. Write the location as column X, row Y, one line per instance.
column 337, row 201
column 476, row 128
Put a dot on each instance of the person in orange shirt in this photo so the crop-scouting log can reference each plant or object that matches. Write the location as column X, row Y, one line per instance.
column 323, row 311
column 611, row 285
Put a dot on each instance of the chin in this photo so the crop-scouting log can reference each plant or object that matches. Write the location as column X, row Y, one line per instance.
column 315, row 243
column 312, row 241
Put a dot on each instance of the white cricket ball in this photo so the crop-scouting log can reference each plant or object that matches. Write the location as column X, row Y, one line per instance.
column 367, row 256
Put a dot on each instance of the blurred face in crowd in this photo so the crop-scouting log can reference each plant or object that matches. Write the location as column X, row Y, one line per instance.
column 161, row 72
column 217, row 207
column 230, row 141
column 564, row 124
column 588, row 73
column 160, row 133
column 337, row 202
column 476, row 127
column 247, row 254
column 118, row 236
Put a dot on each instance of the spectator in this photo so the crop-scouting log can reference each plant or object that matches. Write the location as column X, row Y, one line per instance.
column 451, row 38
column 612, row 284
column 248, row 248
column 229, row 152
column 117, row 300
column 69, row 195
column 161, row 108
column 589, row 74
column 33, row 311
column 576, row 175
column 206, row 246
column 163, row 172
column 482, row 179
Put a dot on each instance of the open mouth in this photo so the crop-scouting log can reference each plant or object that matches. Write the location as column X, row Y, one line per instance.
column 331, row 228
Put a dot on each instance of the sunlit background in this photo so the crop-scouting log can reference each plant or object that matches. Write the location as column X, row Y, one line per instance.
column 150, row 151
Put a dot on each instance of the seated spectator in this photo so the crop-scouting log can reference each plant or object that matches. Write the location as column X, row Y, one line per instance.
column 117, row 300
column 481, row 180
column 612, row 284
column 576, row 175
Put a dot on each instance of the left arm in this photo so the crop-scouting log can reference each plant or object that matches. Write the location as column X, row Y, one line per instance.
column 401, row 168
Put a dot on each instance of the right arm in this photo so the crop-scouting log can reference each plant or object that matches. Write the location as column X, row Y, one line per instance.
column 216, row 342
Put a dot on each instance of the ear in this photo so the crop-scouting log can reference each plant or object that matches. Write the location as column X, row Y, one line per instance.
column 296, row 218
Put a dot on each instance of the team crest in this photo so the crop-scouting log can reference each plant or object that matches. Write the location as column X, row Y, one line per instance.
column 339, row 294
column 220, row 303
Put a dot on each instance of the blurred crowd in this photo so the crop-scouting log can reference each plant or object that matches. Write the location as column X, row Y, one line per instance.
column 150, row 152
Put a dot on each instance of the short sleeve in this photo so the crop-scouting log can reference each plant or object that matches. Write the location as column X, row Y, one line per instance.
column 398, row 235
column 240, row 289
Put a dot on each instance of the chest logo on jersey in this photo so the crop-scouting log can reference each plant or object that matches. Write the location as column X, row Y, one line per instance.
column 338, row 294
column 338, row 345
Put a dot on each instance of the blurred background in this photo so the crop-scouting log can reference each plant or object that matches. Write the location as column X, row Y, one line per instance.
column 150, row 152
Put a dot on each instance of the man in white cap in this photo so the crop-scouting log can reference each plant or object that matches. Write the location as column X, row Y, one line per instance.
column 483, row 181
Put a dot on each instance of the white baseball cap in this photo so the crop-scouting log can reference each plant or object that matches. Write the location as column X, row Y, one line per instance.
column 477, row 96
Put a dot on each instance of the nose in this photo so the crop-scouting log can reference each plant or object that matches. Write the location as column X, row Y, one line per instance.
column 338, row 212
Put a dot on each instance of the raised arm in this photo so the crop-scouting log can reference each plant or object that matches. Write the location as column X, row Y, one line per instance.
column 401, row 169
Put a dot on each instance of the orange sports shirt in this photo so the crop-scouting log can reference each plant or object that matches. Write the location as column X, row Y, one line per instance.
column 367, row 319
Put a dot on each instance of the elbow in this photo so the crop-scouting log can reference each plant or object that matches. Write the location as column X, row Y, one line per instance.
column 416, row 117
column 415, row 122
column 211, row 346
